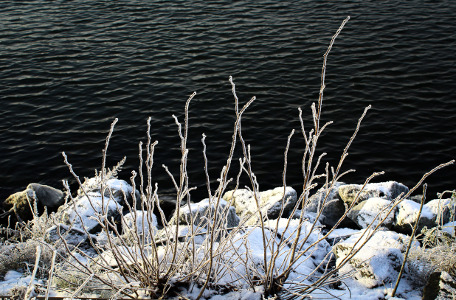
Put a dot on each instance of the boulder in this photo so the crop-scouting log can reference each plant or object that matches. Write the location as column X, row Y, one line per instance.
column 115, row 188
column 443, row 209
column 18, row 204
column 72, row 236
column 45, row 196
column 90, row 212
column 146, row 223
column 372, row 211
column 334, row 207
column 377, row 262
column 203, row 211
column 407, row 213
column 270, row 201
column 387, row 190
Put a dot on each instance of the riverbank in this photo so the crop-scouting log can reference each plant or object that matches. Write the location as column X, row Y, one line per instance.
column 103, row 243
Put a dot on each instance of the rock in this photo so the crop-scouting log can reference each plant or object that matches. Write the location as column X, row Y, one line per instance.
column 146, row 223
column 334, row 207
column 273, row 199
column 115, row 188
column 45, row 196
column 200, row 212
column 442, row 209
column 407, row 213
column 18, row 204
column 378, row 262
column 387, row 190
column 270, row 201
column 184, row 234
column 370, row 211
column 72, row 236
column 87, row 212
column 440, row 285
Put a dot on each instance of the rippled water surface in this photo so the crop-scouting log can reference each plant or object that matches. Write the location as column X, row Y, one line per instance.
column 68, row 68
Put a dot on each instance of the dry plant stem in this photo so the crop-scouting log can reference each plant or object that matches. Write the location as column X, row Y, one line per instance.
column 51, row 274
column 273, row 259
column 35, row 269
column 311, row 145
column 223, row 179
column 182, row 189
column 415, row 227
column 323, row 72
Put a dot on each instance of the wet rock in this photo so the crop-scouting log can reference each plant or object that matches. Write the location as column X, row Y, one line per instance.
column 46, row 195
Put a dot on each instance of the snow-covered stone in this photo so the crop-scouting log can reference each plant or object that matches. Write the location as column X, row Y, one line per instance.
column 184, row 233
column 444, row 208
column 87, row 211
column 377, row 262
column 203, row 211
column 372, row 211
column 407, row 213
column 387, row 190
column 113, row 188
column 308, row 235
column 270, row 201
column 146, row 223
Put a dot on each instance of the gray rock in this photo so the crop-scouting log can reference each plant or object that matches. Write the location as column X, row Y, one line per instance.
column 387, row 190
column 370, row 212
column 334, row 207
column 43, row 195
column 72, row 236
column 46, row 195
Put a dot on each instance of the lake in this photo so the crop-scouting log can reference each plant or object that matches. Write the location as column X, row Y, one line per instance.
column 68, row 68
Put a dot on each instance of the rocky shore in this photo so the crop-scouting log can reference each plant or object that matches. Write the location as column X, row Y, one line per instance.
column 375, row 220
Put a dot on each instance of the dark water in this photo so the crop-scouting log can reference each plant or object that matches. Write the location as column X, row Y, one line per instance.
column 68, row 68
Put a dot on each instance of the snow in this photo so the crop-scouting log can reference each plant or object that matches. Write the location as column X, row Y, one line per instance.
column 408, row 212
column 14, row 279
column 146, row 222
column 89, row 208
